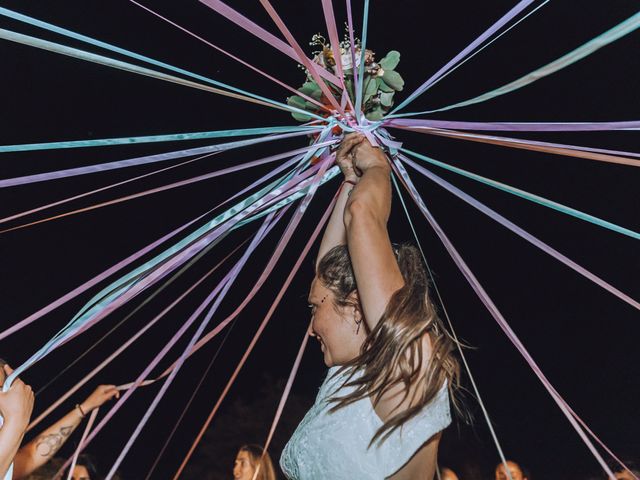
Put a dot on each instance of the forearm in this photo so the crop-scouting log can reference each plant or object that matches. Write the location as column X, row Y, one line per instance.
column 372, row 196
column 10, row 439
column 335, row 233
column 374, row 264
column 42, row 448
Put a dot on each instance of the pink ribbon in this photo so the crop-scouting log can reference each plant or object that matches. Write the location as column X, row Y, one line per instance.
column 230, row 55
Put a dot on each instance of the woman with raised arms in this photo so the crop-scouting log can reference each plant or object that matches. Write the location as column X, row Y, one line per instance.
column 381, row 410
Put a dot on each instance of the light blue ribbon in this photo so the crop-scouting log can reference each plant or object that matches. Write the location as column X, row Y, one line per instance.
column 528, row 196
column 624, row 28
column 129, row 67
column 106, row 142
column 363, row 45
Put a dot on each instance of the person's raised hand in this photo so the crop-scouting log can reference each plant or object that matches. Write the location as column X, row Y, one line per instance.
column 16, row 404
column 345, row 155
column 366, row 156
column 99, row 396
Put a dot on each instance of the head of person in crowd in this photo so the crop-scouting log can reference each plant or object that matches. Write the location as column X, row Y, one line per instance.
column 85, row 469
column 3, row 373
column 448, row 474
column 249, row 459
column 517, row 472
column 623, row 474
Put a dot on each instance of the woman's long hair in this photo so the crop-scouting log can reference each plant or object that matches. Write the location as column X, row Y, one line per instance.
column 257, row 458
column 392, row 353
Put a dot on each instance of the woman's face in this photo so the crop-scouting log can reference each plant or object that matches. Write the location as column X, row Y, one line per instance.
column 242, row 468
column 340, row 332
column 514, row 470
column 80, row 472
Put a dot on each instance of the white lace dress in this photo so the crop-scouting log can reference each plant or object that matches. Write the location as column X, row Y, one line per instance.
column 335, row 445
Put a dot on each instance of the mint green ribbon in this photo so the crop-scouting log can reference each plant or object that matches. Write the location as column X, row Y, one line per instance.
column 105, row 142
column 622, row 29
column 528, row 196
column 129, row 67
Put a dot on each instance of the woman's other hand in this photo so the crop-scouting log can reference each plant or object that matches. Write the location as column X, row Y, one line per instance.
column 366, row 156
column 99, row 396
column 345, row 156
column 16, row 404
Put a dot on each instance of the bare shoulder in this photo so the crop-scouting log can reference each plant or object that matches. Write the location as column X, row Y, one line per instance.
column 422, row 466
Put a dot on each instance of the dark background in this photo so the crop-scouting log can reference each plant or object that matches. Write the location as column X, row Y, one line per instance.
column 584, row 339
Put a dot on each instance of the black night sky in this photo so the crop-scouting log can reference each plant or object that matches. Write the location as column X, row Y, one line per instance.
column 584, row 339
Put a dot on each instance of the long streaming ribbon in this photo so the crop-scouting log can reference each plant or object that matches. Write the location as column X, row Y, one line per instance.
column 622, row 29
column 180, row 183
column 520, row 6
column 363, row 46
column 528, row 196
column 144, row 160
column 524, row 234
column 129, row 67
column 230, row 55
column 257, row 335
column 497, row 315
column 354, row 65
column 173, row 137
column 517, row 126
column 39, row 43
column 97, row 190
column 487, row 45
column 598, row 154
column 330, row 20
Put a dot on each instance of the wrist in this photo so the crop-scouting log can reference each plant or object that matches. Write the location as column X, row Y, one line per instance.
column 82, row 410
column 16, row 425
column 384, row 168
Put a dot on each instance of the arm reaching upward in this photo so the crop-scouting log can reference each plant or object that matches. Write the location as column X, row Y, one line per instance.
column 335, row 233
column 42, row 448
column 365, row 217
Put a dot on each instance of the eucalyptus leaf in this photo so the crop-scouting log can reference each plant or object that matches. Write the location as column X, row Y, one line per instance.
column 311, row 89
column 348, row 83
column 366, row 99
column 375, row 114
column 296, row 101
column 372, row 86
column 386, row 99
column 393, row 79
column 384, row 87
column 391, row 61
column 300, row 117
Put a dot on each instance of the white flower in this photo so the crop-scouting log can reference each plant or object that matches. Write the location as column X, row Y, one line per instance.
column 346, row 58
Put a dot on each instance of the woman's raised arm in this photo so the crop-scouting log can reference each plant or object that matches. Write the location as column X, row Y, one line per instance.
column 334, row 233
column 365, row 218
